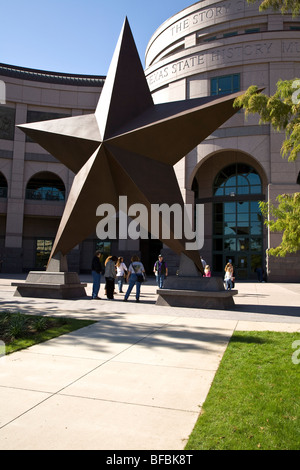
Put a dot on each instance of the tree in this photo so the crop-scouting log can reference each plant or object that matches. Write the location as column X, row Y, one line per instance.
column 284, row 218
column 281, row 110
column 285, row 6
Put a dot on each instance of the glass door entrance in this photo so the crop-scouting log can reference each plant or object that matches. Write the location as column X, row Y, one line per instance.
column 237, row 221
column 245, row 265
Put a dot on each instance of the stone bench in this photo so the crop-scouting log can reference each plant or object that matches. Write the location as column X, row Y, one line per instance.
column 196, row 299
column 195, row 292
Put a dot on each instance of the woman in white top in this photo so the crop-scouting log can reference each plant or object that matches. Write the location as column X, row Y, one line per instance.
column 135, row 276
column 228, row 276
column 121, row 272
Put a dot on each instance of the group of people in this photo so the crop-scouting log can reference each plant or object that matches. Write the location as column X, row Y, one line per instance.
column 115, row 269
column 229, row 278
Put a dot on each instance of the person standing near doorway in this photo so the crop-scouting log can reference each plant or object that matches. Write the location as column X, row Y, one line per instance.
column 228, row 278
column 161, row 271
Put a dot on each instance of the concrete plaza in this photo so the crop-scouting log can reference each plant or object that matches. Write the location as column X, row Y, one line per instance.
column 134, row 380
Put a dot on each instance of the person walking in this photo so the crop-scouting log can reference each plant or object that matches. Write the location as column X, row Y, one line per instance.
column 96, row 274
column 135, row 277
column 110, row 275
column 161, row 271
column 121, row 273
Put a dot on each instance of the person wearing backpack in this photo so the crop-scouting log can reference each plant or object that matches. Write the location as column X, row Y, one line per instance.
column 135, row 276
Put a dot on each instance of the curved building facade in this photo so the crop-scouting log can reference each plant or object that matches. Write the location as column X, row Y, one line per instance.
column 211, row 48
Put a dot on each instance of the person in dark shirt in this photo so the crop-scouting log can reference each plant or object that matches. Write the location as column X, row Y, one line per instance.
column 160, row 270
column 96, row 273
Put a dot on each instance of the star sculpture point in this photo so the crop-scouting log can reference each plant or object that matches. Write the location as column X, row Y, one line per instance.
column 129, row 147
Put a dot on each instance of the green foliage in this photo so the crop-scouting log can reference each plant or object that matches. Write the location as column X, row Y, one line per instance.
column 281, row 110
column 16, row 326
column 284, row 6
column 19, row 331
column 284, row 217
column 40, row 323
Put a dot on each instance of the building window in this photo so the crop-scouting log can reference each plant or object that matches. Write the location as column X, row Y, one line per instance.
column 7, row 123
column 105, row 248
column 42, row 252
column 225, row 84
column 230, row 34
column 45, row 187
column 37, row 116
column 237, row 179
column 252, row 30
column 3, row 186
column 237, row 220
column 212, row 38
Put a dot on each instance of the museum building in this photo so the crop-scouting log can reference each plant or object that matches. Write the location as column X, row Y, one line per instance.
column 213, row 48
column 209, row 48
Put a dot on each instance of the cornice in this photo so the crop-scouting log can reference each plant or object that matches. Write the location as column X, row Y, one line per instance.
column 51, row 77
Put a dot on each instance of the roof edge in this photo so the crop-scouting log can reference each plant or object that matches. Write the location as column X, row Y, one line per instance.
column 51, row 77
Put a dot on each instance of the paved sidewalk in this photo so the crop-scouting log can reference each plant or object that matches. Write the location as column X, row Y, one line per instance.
column 136, row 379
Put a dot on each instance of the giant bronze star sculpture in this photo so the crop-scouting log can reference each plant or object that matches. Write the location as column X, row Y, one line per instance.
column 127, row 147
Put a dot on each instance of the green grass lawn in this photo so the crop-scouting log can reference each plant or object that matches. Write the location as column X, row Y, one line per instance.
column 19, row 331
column 254, row 401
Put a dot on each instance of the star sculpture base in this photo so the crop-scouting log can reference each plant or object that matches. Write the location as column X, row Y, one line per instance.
column 189, row 289
column 55, row 283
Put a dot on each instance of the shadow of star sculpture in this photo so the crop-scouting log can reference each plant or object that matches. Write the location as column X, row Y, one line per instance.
column 127, row 147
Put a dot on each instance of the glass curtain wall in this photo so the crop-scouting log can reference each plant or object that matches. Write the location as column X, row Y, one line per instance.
column 237, row 220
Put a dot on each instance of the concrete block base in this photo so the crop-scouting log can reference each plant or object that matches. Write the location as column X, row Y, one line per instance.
column 51, row 285
column 195, row 292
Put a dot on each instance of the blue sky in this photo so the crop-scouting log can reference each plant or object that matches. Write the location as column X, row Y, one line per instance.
column 76, row 36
